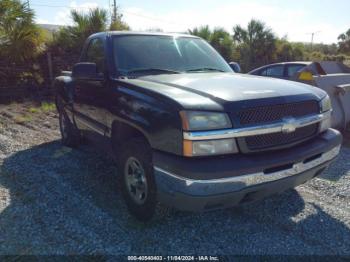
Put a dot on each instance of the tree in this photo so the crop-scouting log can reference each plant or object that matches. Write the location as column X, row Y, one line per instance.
column 287, row 51
column 20, row 38
column 117, row 23
column 344, row 42
column 154, row 29
column 72, row 38
column 220, row 39
column 119, row 26
column 327, row 49
column 256, row 44
column 203, row 32
column 298, row 51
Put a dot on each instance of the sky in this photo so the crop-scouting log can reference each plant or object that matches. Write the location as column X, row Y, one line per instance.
column 296, row 20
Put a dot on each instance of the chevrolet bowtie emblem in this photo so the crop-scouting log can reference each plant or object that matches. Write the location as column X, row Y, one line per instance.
column 289, row 125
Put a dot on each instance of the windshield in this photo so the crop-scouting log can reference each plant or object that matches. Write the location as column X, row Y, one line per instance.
column 154, row 54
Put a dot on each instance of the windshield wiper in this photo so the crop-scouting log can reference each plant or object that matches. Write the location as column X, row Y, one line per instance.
column 204, row 69
column 150, row 70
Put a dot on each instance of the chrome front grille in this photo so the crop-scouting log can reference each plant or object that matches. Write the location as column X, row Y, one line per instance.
column 273, row 113
column 270, row 113
column 279, row 139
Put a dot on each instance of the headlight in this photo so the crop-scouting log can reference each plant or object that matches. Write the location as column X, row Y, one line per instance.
column 210, row 147
column 326, row 104
column 197, row 120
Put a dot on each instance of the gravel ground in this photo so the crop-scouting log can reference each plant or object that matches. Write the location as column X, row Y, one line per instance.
column 55, row 200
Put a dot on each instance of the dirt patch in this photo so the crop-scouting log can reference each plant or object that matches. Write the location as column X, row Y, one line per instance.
column 32, row 115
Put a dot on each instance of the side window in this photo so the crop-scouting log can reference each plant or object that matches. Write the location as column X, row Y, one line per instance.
column 273, row 71
column 261, row 72
column 292, row 69
column 95, row 54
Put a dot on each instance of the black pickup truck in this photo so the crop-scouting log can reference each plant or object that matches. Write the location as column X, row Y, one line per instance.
column 186, row 131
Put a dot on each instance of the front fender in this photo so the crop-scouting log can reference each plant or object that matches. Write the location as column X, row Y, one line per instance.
column 154, row 117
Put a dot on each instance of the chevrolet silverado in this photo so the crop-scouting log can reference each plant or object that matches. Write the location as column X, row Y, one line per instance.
column 186, row 131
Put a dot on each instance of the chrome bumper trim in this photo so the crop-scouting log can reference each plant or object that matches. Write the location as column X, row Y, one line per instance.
column 289, row 125
column 239, row 182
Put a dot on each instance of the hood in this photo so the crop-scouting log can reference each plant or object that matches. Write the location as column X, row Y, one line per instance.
column 224, row 88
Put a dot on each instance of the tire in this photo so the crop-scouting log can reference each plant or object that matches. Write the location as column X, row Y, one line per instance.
column 70, row 135
column 139, row 190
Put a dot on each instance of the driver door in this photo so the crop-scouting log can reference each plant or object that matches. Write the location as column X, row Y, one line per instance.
column 91, row 94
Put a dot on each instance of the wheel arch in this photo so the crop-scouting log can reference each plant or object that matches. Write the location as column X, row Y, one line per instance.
column 121, row 132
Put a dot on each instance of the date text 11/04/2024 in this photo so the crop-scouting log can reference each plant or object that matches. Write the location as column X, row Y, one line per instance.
column 173, row 258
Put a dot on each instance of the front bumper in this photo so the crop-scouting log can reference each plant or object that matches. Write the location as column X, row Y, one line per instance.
column 237, row 179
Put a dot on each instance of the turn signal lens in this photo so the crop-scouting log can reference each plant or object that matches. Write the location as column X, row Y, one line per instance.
column 187, row 148
column 209, row 147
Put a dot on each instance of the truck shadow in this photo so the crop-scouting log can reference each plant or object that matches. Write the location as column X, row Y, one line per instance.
column 64, row 201
column 340, row 168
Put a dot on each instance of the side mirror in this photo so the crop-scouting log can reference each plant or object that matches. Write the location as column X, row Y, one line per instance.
column 86, row 71
column 235, row 67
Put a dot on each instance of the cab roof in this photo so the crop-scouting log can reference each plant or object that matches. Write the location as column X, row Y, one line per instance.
column 116, row 33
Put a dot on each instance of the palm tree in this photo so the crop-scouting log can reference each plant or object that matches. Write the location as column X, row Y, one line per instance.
column 20, row 38
column 218, row 38
column 222, row 41
column 72, row 38
column 257, row 44
column 344, row 42
column 203, row 32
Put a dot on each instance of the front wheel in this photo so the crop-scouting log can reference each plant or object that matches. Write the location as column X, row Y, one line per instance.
column 137, row 180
